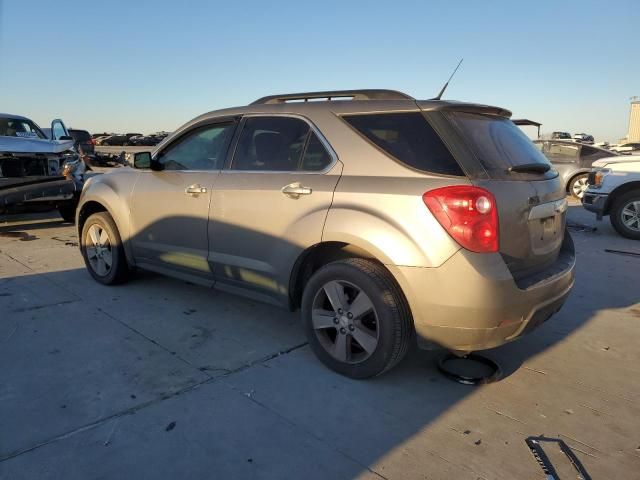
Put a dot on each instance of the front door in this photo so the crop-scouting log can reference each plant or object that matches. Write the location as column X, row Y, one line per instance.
column 270, row 204
column 170, row 206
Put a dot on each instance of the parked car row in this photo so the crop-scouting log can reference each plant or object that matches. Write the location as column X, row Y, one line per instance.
column 578, row 137
column 130, row 139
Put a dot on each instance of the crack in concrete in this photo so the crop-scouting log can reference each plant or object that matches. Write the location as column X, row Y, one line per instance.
column 137, row 408
column 304, row 430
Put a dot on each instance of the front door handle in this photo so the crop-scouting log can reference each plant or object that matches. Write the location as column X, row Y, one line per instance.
column 195, row 189
column 294, row 190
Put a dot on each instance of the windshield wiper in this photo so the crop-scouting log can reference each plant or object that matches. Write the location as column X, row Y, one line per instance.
column 531, row 167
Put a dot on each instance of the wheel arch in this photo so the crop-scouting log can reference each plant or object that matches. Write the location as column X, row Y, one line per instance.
column 315, row 257
column 620, row 190
column 101, row 198
column 572, row 177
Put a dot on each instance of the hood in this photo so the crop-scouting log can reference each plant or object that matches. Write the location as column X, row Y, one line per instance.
column 34, row 145
column 603, row 162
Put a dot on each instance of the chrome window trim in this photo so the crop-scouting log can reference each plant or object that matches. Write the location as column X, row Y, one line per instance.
column 314, row 129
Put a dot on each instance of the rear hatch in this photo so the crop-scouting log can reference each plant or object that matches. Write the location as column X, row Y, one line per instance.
column 529, row 194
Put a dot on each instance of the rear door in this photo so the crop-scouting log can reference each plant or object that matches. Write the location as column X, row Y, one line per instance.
column 529, row 193
column 270, row 204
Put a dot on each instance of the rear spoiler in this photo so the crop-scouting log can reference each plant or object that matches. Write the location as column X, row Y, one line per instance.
column 451, row 106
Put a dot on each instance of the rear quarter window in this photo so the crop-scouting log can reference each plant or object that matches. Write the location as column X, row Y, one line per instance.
column 408, row 138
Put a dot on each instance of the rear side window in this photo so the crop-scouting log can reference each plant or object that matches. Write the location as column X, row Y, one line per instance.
column 279, row 144
column 409, row 138
column 498, row 143
column 563, row 152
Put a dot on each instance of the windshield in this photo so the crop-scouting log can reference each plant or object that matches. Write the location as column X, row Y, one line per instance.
column 497, row 142
column 15, row 127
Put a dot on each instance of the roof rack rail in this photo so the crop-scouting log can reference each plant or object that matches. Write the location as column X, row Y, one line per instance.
column 335, row 95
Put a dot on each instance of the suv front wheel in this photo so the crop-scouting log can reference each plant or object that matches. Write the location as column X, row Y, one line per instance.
column 625, row 214
column 102, row 250
column 356, row 319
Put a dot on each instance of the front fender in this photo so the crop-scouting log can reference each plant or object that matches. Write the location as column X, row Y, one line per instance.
column 112, row 194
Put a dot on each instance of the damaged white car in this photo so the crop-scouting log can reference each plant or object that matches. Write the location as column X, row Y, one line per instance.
column 37, row 172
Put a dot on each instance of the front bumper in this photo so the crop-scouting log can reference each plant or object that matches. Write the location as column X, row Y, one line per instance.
column 52, row 192
column 473, row 303
column 595, row 202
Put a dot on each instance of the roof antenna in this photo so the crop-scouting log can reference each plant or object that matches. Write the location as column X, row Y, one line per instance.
column 439, row 96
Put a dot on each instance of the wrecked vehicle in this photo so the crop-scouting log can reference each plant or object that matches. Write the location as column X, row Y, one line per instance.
column 37, row 172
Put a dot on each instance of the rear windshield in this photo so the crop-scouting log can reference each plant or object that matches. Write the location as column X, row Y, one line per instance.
column 80, row 135
column 497, row 142
column 409, row 138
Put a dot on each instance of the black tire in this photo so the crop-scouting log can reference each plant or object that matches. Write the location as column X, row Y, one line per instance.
column 68, row 213
column 616, row 214
column 394, row 324
column 118, row 271
column 576, row 180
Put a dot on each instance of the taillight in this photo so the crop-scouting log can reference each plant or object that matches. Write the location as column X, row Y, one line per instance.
column 469, row 214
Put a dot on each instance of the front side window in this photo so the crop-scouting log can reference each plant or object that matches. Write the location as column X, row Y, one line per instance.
column 58, row 131
column 201, row 149
column 409, row 138
column 563, row 152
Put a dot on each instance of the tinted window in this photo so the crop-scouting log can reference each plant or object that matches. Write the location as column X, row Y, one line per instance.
column 497, row 141
column 315, row 156
column 58, row 131
column 563, row 151
column 80, row 135
column 202, row 149
column 409, row 138
column 271, row 144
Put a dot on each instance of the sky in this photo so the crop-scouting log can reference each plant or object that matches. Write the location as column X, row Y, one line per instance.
column 145, row 66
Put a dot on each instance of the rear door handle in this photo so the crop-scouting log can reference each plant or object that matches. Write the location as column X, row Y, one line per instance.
column 294, row 190
column 195, row 189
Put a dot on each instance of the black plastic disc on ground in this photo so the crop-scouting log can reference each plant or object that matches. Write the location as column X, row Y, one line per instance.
column 471, row 369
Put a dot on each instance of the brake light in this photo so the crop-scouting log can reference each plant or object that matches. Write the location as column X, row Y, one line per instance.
column 469, row 214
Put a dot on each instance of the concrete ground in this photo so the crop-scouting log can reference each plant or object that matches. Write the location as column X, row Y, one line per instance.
column 160, row 379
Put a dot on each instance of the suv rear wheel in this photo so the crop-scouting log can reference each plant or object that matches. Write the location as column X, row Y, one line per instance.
column 356, row 319
column 102, row 250
column 625, row 214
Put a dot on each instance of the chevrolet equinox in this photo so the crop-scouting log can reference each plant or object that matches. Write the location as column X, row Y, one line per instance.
column 386, row 220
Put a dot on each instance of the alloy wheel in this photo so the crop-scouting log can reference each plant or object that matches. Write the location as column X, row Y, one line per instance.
column 99, row 250
column 345, row 321
column 630, row 215
column 579, row 186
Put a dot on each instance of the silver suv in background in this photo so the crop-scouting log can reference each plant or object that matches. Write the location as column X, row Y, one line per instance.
column 384, row 219
column 573, row 162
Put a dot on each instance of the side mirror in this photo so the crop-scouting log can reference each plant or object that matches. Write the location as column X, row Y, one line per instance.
column 142, row 160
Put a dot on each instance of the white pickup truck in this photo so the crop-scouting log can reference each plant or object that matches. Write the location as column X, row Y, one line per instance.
column 614, row 190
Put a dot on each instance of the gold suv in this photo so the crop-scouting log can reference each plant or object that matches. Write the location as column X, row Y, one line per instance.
column 386, row 220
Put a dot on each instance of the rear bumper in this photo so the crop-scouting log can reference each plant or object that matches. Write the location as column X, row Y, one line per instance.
column 595, row 202
column 473, row 303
